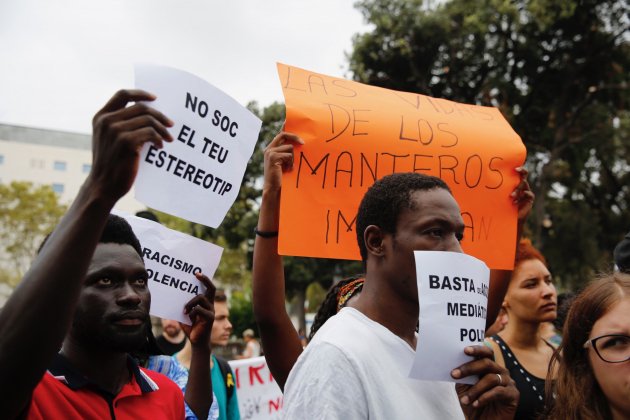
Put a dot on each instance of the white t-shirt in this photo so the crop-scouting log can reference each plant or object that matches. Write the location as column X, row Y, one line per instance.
column 356, row 368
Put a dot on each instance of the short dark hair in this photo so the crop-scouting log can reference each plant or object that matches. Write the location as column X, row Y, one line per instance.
column 382, row 203
column 220, row 296
column 117, row 230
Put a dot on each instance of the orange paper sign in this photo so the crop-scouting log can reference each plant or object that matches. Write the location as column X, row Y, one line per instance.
column 355, row 134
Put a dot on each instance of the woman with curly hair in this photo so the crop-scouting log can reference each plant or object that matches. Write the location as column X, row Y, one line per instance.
column 593, row 361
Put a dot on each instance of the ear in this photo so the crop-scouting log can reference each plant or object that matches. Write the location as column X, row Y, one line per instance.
column 373, row 237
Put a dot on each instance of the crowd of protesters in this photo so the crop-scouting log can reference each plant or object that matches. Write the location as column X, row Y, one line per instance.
column 76, row 337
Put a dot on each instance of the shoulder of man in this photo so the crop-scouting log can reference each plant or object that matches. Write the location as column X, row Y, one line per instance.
column 167, row 394
column 326, row 371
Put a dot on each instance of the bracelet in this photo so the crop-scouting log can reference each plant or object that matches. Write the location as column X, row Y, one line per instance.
column 265, row 233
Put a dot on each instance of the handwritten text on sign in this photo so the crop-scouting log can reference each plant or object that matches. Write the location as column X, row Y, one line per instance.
column 198, row 175
column 259, row 396
column 172, row 258
column 453, row 296
column 355, row 134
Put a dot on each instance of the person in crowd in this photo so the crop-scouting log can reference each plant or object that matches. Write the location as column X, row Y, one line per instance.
column 83, row 306
column 373, row 343
column 252, row 346
column 530, row 303
column 281, row 345
column 172, row 338
column 499, row 323
column 223, row 382
column 593, row 361
column 622, row 254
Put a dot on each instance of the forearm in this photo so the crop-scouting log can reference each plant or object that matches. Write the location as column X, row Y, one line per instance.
column 268, row 271
column 198, row 394
column 278, row 336
column 35, row 319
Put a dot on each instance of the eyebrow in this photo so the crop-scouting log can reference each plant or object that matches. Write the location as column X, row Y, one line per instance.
column 113, row 273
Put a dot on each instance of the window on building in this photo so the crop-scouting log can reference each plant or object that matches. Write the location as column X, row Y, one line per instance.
column 58, row 188
column 86, row 168
column 37, row 163
column 1, row 159
column 59, row 165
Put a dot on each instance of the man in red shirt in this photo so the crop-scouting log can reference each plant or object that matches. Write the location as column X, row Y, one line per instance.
column 67, row 330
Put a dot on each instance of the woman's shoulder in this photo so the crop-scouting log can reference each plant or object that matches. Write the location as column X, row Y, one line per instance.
column 493, row 343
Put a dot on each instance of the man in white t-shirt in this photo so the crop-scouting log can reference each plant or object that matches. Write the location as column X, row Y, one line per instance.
column 358, row 363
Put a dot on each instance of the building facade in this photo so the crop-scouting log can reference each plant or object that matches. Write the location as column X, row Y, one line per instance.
column 48, row 157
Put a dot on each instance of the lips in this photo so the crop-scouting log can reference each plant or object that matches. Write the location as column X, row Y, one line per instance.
column 549, row 307
column 130, row 319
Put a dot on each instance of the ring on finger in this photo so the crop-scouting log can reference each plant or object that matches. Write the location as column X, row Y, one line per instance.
column 500, row 379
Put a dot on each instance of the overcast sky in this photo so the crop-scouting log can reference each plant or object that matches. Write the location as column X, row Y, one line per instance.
column 61, row 60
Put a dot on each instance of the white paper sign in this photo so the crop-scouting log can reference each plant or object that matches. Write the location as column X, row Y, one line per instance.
column 172, row 258
column 259, row 396
column 196, row 177
column 453, row 296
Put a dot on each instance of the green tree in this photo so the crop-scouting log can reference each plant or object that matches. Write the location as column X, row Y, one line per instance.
column 241, row 313
column 558, row 71
column 27, row 214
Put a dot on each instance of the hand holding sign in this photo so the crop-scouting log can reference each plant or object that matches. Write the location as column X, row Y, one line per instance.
column 119, row 132
column 200, row 309
column 495, row 395
column 279, row 158
column 522, row 195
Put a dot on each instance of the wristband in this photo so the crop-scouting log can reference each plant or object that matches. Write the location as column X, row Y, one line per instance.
column 265, row 233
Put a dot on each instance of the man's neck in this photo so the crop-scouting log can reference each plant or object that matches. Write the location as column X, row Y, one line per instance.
column 176, row 339
column 106, row 369
column 382, row 306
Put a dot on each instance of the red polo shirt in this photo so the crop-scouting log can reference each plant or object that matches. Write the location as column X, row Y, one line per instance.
column 63, row 393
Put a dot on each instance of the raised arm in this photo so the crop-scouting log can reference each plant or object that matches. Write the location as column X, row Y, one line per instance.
column 35, row 319
column 198, row 394
column 523, row 198
column 278, row 336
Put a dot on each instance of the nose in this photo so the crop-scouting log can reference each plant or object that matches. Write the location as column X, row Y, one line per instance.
column 548, row 290
column 128, row 296
column 229, row 325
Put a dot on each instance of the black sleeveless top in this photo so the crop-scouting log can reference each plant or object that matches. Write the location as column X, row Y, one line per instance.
column 532, row 400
